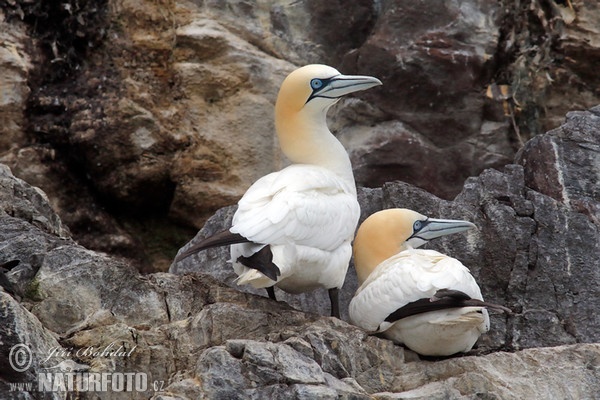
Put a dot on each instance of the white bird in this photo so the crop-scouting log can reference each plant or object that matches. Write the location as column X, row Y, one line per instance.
column 423, row 299
column 293, row 228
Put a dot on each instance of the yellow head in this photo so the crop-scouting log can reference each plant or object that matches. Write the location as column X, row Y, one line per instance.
column 304, row 98
column 388, row 232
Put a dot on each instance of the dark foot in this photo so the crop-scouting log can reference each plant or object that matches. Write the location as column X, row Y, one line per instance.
column 335, row 304
column 271, row 292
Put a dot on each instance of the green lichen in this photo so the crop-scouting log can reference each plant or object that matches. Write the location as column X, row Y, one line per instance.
column 33, row 290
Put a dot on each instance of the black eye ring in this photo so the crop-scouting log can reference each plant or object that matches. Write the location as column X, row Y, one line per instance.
column 316, row 84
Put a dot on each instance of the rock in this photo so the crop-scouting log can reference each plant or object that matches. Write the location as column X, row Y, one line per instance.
column 466, row 381
column 25, row 202
column 24, row 346
column 142, row 119
column 575, row 33
column 38, row 166
column 15, row 66
column 531, row 252
column 441, row 120
column 190, row 336
column 430, row 62
column 569, row 155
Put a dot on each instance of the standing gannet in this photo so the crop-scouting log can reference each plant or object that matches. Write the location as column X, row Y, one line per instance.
column 293, row 228
column 423, row 299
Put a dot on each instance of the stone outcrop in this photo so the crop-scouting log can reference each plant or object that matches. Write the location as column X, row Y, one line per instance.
column 15, row 65
column 142, row 119
column 568, row 155
column 191, row 336
column 534, row 249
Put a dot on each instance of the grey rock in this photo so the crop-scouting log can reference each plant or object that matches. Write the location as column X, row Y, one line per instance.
column 563, row 163
column 532, row 252
column 221, row 373
column 285, row 364
column 32, row 205
column 25, row 346
column 196, row 337
column 465, row 382
column 132, row 134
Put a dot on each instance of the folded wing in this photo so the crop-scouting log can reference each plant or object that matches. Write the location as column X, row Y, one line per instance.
column 303, row 205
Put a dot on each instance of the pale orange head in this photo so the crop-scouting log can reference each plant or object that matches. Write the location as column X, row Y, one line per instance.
column 388, row 232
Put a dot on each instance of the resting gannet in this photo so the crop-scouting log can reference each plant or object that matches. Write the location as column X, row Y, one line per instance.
column 293, row 228
column 423, row 299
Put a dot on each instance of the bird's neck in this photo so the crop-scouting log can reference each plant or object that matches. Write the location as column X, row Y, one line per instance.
column 367, row 257
column 372, row 247
column 305, row 139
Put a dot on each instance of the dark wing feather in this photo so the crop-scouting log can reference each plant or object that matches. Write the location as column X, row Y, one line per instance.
column 443, row 299
column 262, row 261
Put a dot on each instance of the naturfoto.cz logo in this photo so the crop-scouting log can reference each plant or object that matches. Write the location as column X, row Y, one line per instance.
column 20, row 357
column 70, row 376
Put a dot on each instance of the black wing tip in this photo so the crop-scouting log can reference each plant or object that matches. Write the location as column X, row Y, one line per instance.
column 181, row 257
column 443, row 299
column 271, row 273
column 189, row 252
column 262, row 261
column 462, row 297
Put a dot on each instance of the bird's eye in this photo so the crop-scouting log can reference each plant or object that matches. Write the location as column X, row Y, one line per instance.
column 417, row 226
column 316, row 84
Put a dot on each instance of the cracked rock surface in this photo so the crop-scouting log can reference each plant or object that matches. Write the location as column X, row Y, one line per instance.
column 196, row 337
column 193, row 336
column 535, row 249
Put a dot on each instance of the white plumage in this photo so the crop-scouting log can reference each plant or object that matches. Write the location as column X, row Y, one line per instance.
column 293, row 228
column 412, row 275
column 423, row 299
column 308, row 216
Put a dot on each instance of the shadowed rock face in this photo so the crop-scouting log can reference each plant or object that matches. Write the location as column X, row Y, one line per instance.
column 435, row 63
column 142, row 120
column 569, row 157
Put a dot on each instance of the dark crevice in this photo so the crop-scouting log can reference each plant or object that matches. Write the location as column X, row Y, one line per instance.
column 526, row 51
column 69, row 87
column 66, row 31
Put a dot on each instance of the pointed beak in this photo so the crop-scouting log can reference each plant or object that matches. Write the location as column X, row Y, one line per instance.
column 342, row 85
column 435, row 228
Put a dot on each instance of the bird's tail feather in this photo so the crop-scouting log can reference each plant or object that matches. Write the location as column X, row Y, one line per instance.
column 254, row 278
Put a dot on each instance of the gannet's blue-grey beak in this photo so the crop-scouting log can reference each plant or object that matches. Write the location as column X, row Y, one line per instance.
column 341, row 85
column 430, row 228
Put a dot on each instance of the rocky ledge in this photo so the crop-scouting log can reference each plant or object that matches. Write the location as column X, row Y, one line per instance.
column 187, row 334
